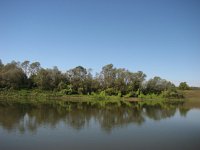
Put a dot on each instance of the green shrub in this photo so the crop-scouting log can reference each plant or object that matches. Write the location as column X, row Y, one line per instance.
column 119, row 94
column 67, row 91
column 172, row 93
column 184, row 86
column 110, row 91
column 102, row 93
column 131, row 94
column 80, row 91
column 149, row 96
column 141, row 95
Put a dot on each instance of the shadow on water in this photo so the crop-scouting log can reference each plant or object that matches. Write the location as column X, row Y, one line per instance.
column 28, row 118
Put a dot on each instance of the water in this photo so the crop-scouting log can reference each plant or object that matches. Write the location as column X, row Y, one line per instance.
column 112, row 128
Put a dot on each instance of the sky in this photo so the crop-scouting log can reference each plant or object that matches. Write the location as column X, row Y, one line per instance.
column 158, row 37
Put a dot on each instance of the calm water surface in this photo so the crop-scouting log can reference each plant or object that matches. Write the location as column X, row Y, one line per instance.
column 46, row 128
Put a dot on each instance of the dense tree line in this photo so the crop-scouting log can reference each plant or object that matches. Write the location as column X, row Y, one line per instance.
column 79, row 80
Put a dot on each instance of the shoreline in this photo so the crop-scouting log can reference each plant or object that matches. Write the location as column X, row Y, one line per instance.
column 54, row 98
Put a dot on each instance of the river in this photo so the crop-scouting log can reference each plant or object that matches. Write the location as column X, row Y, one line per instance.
column 111, row 128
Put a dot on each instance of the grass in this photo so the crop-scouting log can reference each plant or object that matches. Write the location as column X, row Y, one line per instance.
column 192, row 94
column 192, row 98
column 38, row 97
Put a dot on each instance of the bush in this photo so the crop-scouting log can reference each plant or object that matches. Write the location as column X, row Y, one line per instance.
column 149, row 96
column 172, row 93
column 141, row 95
column 119, row 94
column 110, row 91
column 184, row 86
column 67, row 91
column 102, row 93
column 131, row 94
column 80, row 91
column 101, row 96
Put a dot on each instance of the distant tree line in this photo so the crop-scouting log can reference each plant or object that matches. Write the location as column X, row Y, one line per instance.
column 79, row 80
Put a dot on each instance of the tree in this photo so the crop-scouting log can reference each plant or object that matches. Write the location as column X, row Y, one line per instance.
column 88, row 82
column 43, row 80
column 26, row 67
column 48, row 79
column 77, row 78
column 108, row 76
column 157, row 85
column 121, row 81
column 136, row 80
column 12, row 76
column 1, row 64
column 34, row 68
column 184, row 86
column 30, row 70
column 95, row 85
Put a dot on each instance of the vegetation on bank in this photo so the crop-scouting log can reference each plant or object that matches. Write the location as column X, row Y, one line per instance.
column 192, row 98
column 111, row 81
column 37, row 98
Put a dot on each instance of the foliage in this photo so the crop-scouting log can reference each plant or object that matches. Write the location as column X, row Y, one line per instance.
column 66, row 89
column 131, row 94
column 149, row 96
column 157, row 85
column 12, row 76
column 184, row 86
column 110, row 91
column 172, row 93
column 110, row 81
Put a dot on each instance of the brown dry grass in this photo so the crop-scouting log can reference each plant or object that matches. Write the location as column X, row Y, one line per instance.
column 195, row 94
column 193, row 98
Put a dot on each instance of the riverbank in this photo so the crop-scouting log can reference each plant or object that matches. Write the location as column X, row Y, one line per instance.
column 192, row 98
column 36, row 98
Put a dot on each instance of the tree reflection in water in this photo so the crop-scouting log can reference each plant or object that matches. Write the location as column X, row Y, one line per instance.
column 27, row 118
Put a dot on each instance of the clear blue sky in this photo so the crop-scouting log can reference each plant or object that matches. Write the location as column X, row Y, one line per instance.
column 159, row 37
